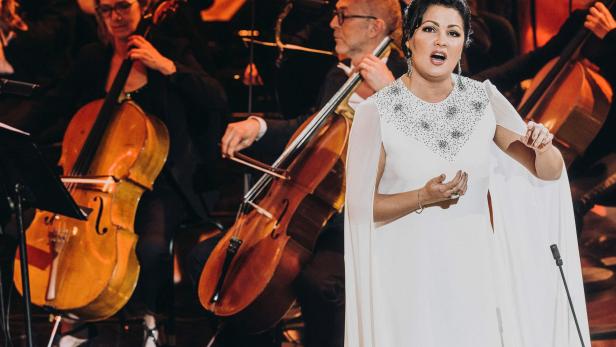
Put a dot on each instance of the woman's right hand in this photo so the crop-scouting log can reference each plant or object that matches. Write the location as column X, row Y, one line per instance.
column 437, row 190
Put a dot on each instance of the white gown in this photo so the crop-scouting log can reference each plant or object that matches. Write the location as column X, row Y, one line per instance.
column 445, row 277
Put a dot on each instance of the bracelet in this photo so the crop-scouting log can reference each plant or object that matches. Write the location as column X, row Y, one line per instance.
column 420, row 209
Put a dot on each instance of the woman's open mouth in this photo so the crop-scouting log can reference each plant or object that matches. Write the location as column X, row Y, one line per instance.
column 438, row 57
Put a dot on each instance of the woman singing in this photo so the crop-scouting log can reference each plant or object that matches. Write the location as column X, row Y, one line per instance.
column 427, row 263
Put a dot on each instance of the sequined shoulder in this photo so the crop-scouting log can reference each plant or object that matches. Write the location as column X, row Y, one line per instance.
column 443, row 127
column 391, row 91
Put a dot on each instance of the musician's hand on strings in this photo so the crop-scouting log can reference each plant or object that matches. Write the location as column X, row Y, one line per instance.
column 437, row 189
column 600, row 20
column 375, row 73
column 143, row 51
column 239, row 135
column 537, row 137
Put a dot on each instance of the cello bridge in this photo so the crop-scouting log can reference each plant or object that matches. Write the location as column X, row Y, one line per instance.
column 261, row 210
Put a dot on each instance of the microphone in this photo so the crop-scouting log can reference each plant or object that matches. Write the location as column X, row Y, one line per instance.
column 16, row 87
column 559, row 263
column 556, row 255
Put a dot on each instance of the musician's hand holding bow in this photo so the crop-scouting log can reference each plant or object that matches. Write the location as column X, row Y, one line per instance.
column 600, row 20
column 239, row 135
column 143, row 51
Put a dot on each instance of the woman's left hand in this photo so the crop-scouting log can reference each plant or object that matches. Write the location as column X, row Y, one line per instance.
column 537, row 137
column 143, row 51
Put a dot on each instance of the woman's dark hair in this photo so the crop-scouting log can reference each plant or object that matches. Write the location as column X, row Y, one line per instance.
column 413, row 17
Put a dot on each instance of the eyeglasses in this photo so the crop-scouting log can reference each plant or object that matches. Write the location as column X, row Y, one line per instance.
column 342, row 16
column 122, row 8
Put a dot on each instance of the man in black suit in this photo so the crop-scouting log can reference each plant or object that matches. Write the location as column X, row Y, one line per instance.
column 359, row 26
column 356, row 49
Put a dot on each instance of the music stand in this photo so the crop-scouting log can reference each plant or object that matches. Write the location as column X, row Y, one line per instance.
column 31, row 181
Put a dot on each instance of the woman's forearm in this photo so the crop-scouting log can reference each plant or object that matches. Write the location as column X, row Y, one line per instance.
column 549, row 164
column 392, row 206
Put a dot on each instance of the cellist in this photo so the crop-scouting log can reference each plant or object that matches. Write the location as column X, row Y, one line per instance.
column 167, row 83
column 600, row 50
column 358, row 27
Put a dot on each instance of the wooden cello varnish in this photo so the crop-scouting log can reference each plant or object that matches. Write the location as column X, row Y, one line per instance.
column 570, row 97
column 249, row 275
column 89, row 268
column 111, row 153
column 575, row 108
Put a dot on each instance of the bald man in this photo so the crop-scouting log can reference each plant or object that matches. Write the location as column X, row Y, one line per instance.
column 358, row 26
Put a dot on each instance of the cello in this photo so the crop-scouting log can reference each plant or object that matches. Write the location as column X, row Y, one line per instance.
column 248, row 276
column 111, row 153
column 570, row 98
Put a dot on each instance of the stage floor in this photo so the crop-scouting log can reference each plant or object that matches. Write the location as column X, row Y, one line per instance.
column 195, row 328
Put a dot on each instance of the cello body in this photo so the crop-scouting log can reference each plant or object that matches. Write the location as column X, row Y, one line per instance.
column 112, row 152
column 574, row 108
column 275, row 249
column 89, row 269
column 569, row 97
column 248, row 278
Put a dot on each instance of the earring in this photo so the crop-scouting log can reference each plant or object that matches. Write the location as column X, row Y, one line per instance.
column 409, row 62
column 460, row 76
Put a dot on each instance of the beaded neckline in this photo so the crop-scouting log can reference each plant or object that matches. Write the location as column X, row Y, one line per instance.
column 443, row 127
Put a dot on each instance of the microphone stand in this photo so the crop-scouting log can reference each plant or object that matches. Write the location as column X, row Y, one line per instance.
column 559, row 263
column 8, row 86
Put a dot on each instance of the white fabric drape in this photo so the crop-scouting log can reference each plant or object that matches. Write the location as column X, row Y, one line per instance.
column 529, row 216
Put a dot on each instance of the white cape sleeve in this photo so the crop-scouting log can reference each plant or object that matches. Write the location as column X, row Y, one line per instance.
column 530, row 215
column 362, row 160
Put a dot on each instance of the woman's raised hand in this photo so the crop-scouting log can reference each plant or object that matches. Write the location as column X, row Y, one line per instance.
column 537, row 137
column 143, row 51
column 437, row 189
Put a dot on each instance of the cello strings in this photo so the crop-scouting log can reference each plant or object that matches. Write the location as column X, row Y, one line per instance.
column 238, row 215
column 314, row 125
column 92, row 142
column 310, row 130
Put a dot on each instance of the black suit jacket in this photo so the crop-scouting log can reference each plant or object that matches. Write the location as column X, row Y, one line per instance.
column 279, row 131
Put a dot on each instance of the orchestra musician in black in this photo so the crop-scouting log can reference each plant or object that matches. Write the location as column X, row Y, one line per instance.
column 359, row 26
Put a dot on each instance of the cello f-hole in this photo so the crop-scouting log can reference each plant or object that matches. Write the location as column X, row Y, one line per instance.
column 98, row 217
